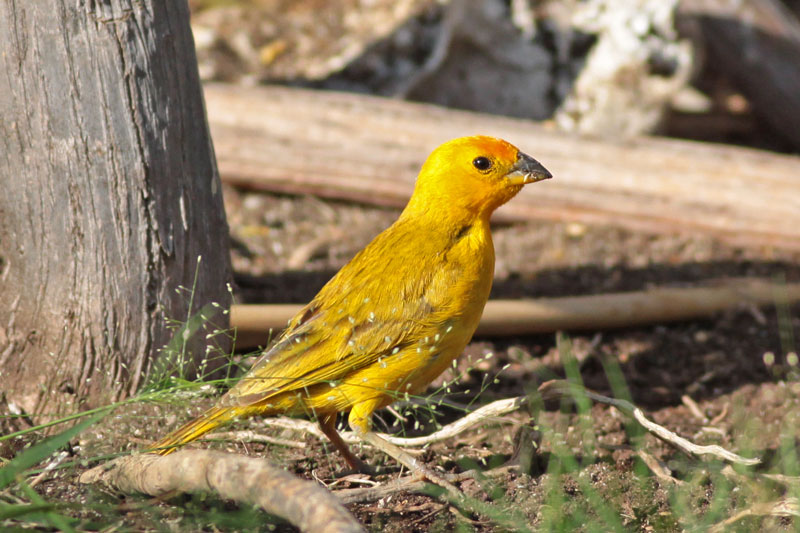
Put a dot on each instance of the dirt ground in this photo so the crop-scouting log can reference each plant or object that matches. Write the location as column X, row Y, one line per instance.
column 285, row 248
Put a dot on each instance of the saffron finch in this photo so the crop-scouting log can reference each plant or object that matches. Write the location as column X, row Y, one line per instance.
column 394, row 317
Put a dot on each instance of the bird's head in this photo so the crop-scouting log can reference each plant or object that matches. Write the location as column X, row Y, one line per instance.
column 474, row 175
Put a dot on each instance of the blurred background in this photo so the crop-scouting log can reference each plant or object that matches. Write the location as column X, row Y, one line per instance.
column 716, row 70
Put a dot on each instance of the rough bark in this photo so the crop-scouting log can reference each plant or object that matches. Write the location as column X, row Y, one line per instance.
column 110, row 195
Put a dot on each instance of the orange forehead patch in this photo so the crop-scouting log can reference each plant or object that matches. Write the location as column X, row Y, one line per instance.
column 484, row 145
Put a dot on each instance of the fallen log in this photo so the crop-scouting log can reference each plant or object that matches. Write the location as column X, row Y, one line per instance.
column 369, row 149
column 545, row 315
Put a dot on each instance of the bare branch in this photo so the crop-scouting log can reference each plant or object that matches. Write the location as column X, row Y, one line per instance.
column 248, row 435
column 785, row 507
column 244, row 479
column 556, row 389
column 483, row 414
column 658, row 468
column 411, row 484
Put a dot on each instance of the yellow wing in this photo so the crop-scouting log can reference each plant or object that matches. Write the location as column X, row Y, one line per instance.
column 356, row 319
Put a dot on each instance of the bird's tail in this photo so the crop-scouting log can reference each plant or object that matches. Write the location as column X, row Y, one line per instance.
column 211, row 419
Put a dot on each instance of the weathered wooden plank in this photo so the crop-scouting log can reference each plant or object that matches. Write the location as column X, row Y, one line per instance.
column 370, row 149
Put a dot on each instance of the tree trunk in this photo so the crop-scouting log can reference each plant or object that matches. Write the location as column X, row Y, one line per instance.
column 110, row 195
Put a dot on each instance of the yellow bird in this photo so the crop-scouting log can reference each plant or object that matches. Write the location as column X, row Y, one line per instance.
column 394, row 317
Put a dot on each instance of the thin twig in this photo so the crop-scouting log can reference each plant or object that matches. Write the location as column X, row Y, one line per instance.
column 253, row 436
column 357, row 479
column 781, row 479
column 411, row 484
column 49, row 468
column 721, row 416
column 396, row 414
column 786, row 507
column 693, row 408
column 658, row 468
column 437, row 509
column 482, row 414
column 556, row 389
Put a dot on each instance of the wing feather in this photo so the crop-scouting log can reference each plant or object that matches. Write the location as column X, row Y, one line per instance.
column 357, row 318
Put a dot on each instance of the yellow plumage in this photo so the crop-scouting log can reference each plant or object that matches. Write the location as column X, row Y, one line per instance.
column 394, row 317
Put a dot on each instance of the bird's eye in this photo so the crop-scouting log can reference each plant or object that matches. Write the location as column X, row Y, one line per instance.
column 482, row 163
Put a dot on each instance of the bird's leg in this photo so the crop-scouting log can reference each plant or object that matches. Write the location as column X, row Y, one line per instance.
column 327, row 423
column 360, row 421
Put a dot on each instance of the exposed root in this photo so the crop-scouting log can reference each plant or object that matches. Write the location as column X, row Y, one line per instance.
column 243, row 479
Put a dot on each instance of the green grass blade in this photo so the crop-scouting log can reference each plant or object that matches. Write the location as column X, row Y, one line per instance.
column 19, row 510
column 58, row 521
column 37, row 453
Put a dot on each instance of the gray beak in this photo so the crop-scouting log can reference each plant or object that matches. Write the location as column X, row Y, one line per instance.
column 527, row 170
